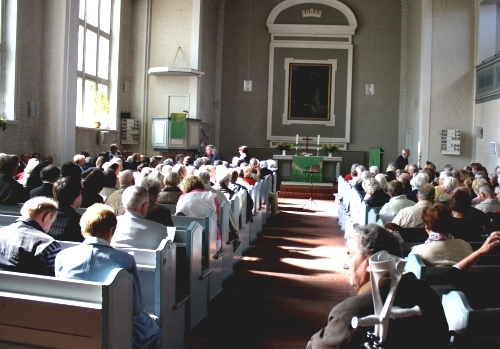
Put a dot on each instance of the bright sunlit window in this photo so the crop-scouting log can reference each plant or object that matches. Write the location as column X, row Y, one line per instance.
column 94, row 42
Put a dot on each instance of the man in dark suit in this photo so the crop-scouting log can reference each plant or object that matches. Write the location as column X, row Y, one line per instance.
column 66, row 227
column 112, row 153
column 402, row 159
column 49, row 175
column 11, row 192
column 24, row 162
column 24, row 245
column 98, row 166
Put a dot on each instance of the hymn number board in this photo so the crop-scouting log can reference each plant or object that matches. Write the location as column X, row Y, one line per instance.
column 450, row 141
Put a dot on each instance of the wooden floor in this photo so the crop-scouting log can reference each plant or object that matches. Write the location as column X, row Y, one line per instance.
column 284, row 288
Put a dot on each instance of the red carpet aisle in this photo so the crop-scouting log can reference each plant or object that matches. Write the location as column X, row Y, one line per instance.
column 284, row 288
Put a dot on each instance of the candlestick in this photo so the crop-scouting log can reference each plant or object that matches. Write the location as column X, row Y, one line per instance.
column 317, row 150
column 318, row 139
column 297, row 139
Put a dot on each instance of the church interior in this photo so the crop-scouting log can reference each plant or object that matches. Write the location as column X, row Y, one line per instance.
column 423, row 59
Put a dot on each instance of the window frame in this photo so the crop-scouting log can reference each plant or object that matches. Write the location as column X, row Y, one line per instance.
column 82, row 119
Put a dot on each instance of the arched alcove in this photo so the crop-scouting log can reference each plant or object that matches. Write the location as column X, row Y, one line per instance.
column 310, row 70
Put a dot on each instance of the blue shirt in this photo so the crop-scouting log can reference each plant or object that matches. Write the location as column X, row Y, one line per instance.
column 93, row 260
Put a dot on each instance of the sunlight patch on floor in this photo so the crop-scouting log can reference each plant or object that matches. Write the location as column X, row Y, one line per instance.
column 323, row 264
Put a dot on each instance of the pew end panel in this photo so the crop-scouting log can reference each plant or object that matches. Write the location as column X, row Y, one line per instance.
column 235, row 208
column 244, row 225
column 227, row 244
column 191, row 278
column 82, row 314
column 210, row 258
column 256, row 226
column 157, row 273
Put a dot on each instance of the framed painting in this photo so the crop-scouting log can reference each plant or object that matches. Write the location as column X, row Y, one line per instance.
column 309, row 91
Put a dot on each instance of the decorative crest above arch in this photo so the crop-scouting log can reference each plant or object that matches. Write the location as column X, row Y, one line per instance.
column 276, row 28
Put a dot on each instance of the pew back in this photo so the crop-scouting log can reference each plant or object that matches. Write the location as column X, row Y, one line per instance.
column 81, row 314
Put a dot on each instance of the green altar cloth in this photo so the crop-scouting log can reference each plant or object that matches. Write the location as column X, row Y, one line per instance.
column 303, row 163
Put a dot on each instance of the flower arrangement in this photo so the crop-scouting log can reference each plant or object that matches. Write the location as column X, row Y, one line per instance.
column 3, row 123
column 331, row 147
column 284, row 146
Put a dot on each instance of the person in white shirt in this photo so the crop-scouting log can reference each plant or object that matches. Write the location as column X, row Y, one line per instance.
column 398, row 199
column 133, row 230
column 489, row 203
column 411, row 217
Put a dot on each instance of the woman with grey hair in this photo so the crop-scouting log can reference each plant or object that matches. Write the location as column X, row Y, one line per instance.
column 357, row 182
column 416, row 182
column 381, row 180
column 364, row 242
column 375, row 197
column 449, row 184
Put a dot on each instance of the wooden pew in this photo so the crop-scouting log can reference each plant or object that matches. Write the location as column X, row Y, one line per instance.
column 11, row 210
column 6, row 220
column 191, row 277
column 212, row 258
column 172, row 208
column 40, row 311
column 475, row 328
column 227, row 244
column 157, row 274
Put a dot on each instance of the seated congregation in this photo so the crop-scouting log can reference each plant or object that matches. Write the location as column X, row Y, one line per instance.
column 80, row 221
column 447, row 223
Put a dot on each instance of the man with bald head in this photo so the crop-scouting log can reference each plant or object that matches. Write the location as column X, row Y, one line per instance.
column 115, row 199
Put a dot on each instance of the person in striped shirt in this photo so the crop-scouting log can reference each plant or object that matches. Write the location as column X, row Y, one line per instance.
column 25, row 246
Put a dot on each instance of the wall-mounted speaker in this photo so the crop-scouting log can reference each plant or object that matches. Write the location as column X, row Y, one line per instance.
column 479, row 132
column 493, row 149
column 103, row 138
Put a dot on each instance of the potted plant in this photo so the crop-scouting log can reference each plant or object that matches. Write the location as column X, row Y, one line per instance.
column 284, row 146
column 3, row 123
column 330, row 148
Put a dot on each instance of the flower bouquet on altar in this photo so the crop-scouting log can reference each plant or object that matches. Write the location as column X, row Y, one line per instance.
column 284, row 146
column 330, row 148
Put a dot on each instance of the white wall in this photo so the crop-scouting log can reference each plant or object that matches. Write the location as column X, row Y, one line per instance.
column 410, row 120
column 487, row 116
column 452, row 89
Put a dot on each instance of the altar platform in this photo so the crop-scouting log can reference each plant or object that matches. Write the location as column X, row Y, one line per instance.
column 298, row 190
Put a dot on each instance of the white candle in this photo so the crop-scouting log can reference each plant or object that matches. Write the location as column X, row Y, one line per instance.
column 318, row 139
column 418, row 153
column 297, row 139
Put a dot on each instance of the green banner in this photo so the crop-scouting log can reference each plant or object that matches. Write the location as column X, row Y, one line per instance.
column 304, row 163
column 178, row 126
